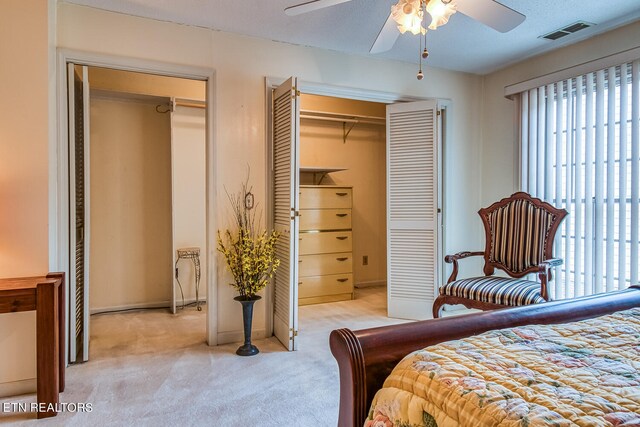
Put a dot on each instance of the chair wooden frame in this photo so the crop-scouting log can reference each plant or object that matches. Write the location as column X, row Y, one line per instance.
column 543, row 269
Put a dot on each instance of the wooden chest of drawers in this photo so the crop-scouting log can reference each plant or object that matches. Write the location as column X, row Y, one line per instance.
column 326, row 244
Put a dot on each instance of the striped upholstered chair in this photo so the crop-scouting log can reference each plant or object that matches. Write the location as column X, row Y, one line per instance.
column 519, row 234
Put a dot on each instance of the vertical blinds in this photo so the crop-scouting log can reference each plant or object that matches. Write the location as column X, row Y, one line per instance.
column 580, row 149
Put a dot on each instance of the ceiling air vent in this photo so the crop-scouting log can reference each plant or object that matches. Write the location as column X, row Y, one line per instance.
column 557, row 34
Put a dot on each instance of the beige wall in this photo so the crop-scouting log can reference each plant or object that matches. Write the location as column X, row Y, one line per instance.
column 146, row 84
column 500, row 133
column 130, row 244
column 364, row 157
column 241, row 64
column 24, row 135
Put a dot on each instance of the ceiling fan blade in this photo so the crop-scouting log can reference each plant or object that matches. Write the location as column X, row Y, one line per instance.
column 491, row 13
column 387, row 36
column 311, row 6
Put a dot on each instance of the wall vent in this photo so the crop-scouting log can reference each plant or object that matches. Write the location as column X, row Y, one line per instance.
column 570, row 29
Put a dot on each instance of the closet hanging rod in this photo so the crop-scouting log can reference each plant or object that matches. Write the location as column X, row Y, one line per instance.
column 335, row 119
column 330, row 119
column 173, row 103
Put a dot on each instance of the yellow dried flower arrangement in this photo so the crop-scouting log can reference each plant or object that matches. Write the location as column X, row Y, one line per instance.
column 250, row 254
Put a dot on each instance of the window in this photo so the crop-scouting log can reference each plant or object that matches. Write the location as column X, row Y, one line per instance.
column 580, row 149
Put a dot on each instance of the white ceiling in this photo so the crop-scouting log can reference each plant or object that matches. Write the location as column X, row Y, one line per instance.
column 463, row 44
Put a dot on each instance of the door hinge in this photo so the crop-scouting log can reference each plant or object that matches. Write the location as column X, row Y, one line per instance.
column 439, row 112
column 294, row 92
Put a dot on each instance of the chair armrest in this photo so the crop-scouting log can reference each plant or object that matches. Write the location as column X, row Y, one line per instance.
column 552, row 262
column 460, row 255
column 545, row 266
column 454, row 259
column 544, row 274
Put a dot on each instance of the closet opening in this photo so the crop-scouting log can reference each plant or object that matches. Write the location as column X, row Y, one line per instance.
column 137, row 216
column 342, row 232
column 357, row 200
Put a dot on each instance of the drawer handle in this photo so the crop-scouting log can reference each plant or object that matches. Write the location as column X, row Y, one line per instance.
column 342, row 280
column 299, row 283
column 341, row 194
column 299, row 261
column 341, row 215
column 342, row 237
column 342, row 258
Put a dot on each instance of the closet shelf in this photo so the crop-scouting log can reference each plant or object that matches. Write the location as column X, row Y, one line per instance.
column 319, row 171
column 353, row 119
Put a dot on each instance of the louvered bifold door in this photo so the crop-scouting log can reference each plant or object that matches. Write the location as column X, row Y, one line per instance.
column 412, row 211
column 286, row 120
column 78, row 104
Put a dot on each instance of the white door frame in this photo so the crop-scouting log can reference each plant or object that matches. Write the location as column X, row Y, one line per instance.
column 59, row 164
column 313, row 88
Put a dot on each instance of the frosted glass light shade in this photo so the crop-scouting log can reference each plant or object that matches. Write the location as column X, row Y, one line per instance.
column 440, row 12
column 408, row 14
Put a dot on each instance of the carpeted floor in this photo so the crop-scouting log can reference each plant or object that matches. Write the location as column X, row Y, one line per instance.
column 150, row 368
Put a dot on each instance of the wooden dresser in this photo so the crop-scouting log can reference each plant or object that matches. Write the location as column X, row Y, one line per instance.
column 326, row 244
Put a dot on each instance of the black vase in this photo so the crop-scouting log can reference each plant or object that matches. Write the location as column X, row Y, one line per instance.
column 247, row 349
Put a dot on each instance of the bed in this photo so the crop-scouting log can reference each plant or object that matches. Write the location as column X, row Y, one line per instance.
column 366, row 358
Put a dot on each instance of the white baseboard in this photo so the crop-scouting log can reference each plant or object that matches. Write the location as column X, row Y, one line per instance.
column 16, row 388
column 371, row 284
column 158, row 304
column 238, row 336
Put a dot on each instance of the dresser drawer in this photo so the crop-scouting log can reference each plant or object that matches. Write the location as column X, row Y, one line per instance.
column 325, row 242
column 325, row 219
column 323, row 264
column 325, row 285
column 325, row 197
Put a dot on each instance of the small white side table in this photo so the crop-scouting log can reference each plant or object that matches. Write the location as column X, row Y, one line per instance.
column 194, row 255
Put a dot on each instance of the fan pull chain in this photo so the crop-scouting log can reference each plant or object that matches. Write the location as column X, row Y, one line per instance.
column 425, row 52
column 420, row 75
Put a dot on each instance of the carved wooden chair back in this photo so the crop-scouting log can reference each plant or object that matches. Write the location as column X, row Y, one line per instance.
column 519, row 233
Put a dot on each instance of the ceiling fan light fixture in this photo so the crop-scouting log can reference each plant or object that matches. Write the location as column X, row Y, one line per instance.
column 440, row 11
column 409, row 15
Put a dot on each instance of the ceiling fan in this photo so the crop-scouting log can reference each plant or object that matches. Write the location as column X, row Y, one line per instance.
column 488, row 12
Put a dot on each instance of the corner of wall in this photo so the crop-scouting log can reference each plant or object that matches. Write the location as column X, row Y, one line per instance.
column 52, row 12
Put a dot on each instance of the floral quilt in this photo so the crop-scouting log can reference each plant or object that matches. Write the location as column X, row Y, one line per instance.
column 576, row 374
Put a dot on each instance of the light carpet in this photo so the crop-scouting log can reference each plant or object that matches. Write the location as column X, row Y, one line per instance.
column 152, row 368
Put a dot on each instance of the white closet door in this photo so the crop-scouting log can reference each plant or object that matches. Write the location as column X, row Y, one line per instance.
column 78, row 105
column 286, row 140
column 412, row 209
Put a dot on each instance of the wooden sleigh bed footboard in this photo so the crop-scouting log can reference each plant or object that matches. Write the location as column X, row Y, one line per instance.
column 366, row 357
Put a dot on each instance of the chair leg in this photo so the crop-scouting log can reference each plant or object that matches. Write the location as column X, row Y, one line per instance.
column 437, row 305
